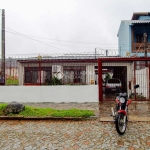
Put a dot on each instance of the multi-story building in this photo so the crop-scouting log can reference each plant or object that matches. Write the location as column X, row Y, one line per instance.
column 134, row 35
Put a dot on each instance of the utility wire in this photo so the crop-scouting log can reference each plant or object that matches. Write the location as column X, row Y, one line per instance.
column 37, row 40
column 109, row 48
column 53, row 43
column 69, row 41
column 63, row 40
column 14, row 32
column 61, row 44
column 48, row 44
column 57, row 44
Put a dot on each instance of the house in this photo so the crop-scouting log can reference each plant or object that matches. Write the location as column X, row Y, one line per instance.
column 134, row 35
column 74, row 69
column 77, row 69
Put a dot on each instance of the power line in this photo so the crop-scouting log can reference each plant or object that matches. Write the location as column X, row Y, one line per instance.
column 70, row 41
column 62, row 40
column 61, row 44
column 14, row 32
column 53, row 43
column 37, row 40
column 110, row 48
column 48, row 44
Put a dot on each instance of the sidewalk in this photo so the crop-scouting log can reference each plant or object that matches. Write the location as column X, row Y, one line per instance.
column 138, row 111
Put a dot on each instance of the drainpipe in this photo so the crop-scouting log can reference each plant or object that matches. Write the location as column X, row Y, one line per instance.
column 100, row 80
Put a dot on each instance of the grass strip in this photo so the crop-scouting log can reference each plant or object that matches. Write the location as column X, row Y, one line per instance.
column 45, row 112
column 12, row 82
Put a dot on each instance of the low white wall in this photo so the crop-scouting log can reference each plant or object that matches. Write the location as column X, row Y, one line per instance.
column 57, row 94
column 142, row 78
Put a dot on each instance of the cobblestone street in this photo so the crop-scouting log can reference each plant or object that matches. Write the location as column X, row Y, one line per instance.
column 69, row 135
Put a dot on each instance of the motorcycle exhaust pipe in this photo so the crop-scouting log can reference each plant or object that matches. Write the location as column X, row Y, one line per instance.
column 112, row 110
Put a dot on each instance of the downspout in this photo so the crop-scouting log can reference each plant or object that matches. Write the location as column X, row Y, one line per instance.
column 100, row 80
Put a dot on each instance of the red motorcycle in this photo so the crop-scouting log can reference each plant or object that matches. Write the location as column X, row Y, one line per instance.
column 120, row 113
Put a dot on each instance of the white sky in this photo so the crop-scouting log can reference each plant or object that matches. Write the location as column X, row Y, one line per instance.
column 82, row 21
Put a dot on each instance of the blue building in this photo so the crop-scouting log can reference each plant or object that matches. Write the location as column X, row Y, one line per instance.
column 134, row 35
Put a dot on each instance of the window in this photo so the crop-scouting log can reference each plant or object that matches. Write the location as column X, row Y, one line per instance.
column 36, row 75
column 140, row 38
column 74, row 75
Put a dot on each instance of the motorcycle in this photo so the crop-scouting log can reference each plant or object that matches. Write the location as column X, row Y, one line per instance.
column 120, row 113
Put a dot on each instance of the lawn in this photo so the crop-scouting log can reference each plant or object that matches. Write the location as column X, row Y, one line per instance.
column 45, row 112
column 12, row 82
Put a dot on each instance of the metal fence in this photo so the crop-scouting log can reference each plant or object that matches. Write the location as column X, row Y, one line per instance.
column 125, row 73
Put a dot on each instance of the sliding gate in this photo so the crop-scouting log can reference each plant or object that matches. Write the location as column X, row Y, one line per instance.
column 124, row 72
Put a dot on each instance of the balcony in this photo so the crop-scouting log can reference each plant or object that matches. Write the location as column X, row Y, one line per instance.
column 139, row 47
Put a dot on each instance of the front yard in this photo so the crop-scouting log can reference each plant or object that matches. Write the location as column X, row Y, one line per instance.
column 45, row 112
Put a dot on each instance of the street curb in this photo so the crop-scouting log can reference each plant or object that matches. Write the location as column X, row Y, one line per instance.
column 101, row 119
column 48, row 118
column 130, row 119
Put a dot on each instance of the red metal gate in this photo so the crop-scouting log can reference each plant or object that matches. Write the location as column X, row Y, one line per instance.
column 124, row 72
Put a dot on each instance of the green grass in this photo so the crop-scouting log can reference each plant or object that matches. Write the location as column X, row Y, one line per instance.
column 2, row 107
column 43, row 112
column 12, row 82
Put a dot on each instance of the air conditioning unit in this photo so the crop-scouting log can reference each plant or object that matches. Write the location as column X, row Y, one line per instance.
column 56, row 68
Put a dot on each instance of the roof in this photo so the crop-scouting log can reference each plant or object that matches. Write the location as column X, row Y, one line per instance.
column 140, row 21
column 137, row 14
column 131, row 22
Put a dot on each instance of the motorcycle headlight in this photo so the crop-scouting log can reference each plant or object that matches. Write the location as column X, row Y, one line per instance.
column 122, row 99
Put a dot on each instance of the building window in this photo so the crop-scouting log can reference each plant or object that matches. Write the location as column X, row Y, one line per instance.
column 74, row 75
column 140, row 38
column 36, row 75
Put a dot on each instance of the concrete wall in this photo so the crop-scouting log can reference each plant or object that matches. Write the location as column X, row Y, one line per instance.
column 85, row 93
column 144, row 18
column 124, row 38
column 142, row 78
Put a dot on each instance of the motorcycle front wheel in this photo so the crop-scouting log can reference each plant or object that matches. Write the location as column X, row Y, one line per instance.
column 120, row 124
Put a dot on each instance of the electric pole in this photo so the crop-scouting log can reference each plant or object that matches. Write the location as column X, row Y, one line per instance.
column 3, row 49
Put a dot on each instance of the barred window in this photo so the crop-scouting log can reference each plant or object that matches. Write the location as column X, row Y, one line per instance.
column 74, row 75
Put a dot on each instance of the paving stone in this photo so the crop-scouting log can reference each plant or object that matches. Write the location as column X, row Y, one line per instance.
column 68, row 135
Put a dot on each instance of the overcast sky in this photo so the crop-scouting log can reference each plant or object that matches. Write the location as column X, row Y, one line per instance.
column 65, row 26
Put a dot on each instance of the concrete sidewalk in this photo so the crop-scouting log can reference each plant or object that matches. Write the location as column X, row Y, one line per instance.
column 138, row 111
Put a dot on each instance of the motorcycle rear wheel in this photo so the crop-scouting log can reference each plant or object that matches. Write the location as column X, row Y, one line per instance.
column 120, row 124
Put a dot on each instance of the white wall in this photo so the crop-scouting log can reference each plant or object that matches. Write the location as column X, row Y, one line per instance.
column 142, row 78
column 90, row 73
column 85, row 93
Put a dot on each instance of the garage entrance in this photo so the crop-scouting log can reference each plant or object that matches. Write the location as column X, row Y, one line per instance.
column 125, row 73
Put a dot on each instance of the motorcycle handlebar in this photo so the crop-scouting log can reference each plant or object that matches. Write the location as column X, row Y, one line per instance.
column 135, row 87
